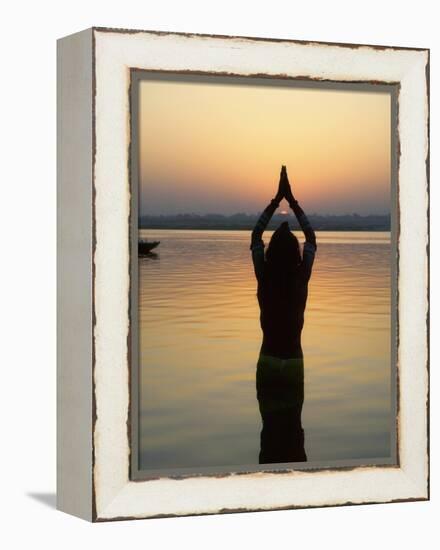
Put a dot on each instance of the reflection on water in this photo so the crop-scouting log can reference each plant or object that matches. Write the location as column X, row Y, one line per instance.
column 200, row 340
column 280, row 394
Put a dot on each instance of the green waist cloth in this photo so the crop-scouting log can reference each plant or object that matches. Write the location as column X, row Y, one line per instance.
column 280, row 384
column 276, row 363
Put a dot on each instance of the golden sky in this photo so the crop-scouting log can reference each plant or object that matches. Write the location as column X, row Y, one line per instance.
column 218, row 148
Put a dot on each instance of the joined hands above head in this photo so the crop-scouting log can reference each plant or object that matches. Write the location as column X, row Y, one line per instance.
column 284, row 189
column 285, row 192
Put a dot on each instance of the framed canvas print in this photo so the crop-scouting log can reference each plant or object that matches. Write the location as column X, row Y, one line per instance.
column 242, row 274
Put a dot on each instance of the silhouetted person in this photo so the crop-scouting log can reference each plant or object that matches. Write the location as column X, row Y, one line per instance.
column 282, row 275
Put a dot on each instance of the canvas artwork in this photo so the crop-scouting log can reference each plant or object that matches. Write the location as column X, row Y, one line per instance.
column 265, row 232
column 243, row 274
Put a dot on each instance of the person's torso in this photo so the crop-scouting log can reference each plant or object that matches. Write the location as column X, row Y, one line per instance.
column 282, row 303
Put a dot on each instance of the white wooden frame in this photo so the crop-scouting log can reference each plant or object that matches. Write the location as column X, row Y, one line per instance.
column 94, row 274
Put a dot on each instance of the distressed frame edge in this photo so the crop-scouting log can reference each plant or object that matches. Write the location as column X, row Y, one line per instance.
column 351, row 45
column 96, row 518
column 428, row 268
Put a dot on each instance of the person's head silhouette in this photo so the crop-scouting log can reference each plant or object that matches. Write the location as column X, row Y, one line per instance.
column 283, row 250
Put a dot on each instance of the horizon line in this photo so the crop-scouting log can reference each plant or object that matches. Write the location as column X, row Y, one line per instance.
column 286, row 214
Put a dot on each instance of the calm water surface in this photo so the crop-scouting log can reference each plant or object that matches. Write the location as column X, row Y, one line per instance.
column 200, row 339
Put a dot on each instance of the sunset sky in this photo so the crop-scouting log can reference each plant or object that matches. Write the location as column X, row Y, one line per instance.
column 218, row 148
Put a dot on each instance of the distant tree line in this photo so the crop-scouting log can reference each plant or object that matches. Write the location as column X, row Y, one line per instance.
column 344, row 222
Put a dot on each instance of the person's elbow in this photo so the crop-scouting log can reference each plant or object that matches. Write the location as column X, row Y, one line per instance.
column 311, row 238
column 255, row 236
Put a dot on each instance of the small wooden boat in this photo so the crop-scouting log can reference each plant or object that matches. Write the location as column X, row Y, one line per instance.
column 145, row 247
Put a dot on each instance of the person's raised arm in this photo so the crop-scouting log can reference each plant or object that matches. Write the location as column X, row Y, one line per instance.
column 298, row 211
column 310, row 244
column 257, row 244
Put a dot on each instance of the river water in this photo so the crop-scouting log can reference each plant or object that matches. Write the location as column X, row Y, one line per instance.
column 199, row 339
